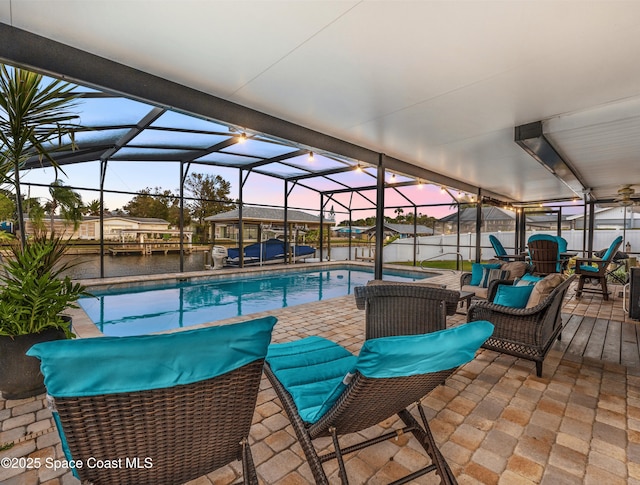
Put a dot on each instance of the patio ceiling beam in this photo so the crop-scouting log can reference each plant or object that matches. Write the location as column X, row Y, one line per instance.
column 531, row 139
column 31, row 51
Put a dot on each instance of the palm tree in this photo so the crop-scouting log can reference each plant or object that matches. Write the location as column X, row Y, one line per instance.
column 35, row 120
column 69, row 202
column 93, row 208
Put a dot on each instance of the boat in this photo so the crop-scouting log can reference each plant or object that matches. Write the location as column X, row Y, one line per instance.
column 269, row 251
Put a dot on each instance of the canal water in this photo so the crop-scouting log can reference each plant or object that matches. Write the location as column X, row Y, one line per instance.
column 88, row 266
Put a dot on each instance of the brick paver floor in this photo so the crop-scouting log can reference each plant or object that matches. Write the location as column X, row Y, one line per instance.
column 495, row 421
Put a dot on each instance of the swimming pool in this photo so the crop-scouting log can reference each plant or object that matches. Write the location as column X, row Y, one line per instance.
column 166, row 306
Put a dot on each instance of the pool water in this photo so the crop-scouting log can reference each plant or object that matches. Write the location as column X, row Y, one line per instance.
column 137, row 311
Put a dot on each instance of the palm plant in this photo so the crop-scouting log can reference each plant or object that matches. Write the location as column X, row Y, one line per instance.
column 69, row 202
column 36, row 119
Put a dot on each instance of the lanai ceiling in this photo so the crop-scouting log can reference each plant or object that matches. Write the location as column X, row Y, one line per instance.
column 438, row 85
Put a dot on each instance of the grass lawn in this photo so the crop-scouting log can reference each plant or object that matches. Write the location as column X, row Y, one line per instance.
column 466, row 265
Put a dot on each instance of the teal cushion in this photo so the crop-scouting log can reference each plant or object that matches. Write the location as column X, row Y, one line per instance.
column 108, row 365
column 586, row 267
column 513, row 296
column 477, row 271
column 421, row 354
column 615, row 243
column 527, row 280
column 312, row 370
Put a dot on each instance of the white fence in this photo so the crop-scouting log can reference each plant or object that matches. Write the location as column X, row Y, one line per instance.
column 443, row 247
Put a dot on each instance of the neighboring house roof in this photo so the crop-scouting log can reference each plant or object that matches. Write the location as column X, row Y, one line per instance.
column 488, row 214
column 404, row 229
column 141, row 220
column 265, row 214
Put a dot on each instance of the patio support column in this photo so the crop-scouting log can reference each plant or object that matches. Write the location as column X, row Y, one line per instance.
column 584, row 225
column 321, row 231
column 286, row 222
column 592, row 223
column 350, row 233
column 479, row 227
column 240, row 223
column 559, row 221
column 183, row 176
column 415, row 235
column 458, row 237
column 103, row 175
column 379, row 218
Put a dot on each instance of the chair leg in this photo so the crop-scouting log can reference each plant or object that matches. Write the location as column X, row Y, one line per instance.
column 580, row 285
column 248, row 467
column 605, row 290
column 539, row 368
column 342, row 470
column 425, row 438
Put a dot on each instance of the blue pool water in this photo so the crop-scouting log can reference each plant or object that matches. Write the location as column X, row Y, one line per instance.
column 137, row 311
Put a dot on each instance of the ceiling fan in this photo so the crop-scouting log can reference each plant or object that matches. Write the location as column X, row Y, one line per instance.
column 626, row 196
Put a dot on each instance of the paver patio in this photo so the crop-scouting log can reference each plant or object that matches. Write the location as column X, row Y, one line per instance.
column 495, row 421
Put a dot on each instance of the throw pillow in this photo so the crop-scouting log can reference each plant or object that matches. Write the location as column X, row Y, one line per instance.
column 516, row 268
column 477, row 271
column 513, row 296
column 543, row 288
column 490, row 274
column 527, row 280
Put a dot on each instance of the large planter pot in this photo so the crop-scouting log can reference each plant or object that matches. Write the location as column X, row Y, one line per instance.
column 20, row 375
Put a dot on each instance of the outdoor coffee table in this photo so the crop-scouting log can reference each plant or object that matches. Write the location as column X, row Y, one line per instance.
column 466, row 296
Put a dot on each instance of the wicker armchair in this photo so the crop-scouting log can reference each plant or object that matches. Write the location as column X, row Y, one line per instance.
column 170, row 407
column 396, row 308
column 524, row 332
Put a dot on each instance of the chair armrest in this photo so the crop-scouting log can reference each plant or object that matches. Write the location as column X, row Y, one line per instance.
column 361, row 297
column 589, row 260
column 465, row 279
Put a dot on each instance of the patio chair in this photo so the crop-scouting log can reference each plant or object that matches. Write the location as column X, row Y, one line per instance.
column 526, row 332
column 501, row 252
column 327, row 391
column 544, row 253
column 596, row 269
column 397, row 308
column 170, row 407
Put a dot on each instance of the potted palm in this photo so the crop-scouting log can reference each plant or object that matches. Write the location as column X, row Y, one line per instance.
column 34, row 296
column 36, row 119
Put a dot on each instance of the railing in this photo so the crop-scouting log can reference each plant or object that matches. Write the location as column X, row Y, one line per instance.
column 459, row 259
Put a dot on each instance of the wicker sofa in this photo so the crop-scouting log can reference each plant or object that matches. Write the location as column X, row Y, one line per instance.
column 524, row 332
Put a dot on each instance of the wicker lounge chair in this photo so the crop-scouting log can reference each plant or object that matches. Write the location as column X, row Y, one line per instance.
column 586, row 270
column 170, row 408
column 395, row 308
column 524, row 332
column 338, row 393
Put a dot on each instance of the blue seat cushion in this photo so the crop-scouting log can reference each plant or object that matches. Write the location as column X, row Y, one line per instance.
column 586, row 267
column 108, row 365
column 312, row 370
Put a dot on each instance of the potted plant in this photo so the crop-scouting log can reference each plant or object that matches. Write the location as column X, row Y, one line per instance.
column 36, row 119
column 34, row 296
